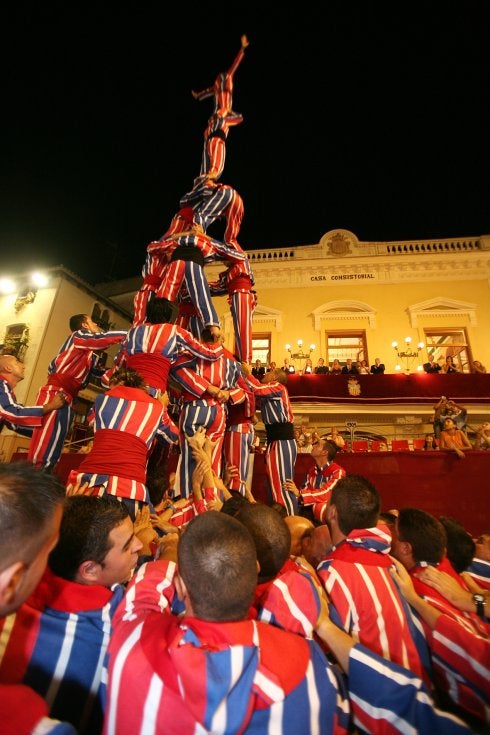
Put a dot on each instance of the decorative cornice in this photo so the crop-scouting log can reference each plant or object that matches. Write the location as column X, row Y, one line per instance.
column 442, row 307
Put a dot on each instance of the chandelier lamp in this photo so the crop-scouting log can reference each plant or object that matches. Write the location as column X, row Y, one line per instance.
column 407, row 353
column 300, row 353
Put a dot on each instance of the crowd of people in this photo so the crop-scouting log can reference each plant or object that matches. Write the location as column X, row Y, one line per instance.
column 134, row 601
column 343, row 620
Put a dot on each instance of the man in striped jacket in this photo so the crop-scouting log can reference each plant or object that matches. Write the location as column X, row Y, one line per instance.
column 68, row 373
column 459, row 642
column 365, row 600
column 56, row 641
column 320, row 479
column 31, row 507
column 214, row 670
column 13, row 415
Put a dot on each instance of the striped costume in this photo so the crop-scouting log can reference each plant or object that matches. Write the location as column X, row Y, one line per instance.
column 237, row 281
column 460, row 648
column 14, row 416
column 214, row 150
column 318, row 486
column 186, row 256
column 479, row 569
column 222, row 89
column 68, row 372
column 239, row 436
column 365, row 600
column 188, row 676
column 211, row 202
column 155, row 263
column 199, row 409
column 56, row 644
column 223, row 117
column 151, row 349
column 282, row 450
column 127, row 421
column 290, row 601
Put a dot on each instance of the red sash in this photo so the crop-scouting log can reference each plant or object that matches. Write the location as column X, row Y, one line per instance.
column 116, row 453
column 153, row 368
column 69, row 385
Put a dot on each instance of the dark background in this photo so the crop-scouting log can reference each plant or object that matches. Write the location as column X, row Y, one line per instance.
column 368, row 116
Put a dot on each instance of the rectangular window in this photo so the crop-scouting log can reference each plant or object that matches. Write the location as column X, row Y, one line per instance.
column 16, row 340
column 443, row 343
column 261, row 347
column 341, row 345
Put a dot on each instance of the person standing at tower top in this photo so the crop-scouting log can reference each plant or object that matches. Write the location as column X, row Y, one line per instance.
column 223, row 117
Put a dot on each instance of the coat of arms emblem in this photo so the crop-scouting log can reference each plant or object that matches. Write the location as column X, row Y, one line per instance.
column 354, row 387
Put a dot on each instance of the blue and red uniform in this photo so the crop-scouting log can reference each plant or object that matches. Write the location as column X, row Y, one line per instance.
column 366, row 601
column 201, row 409
column 151, row 349
column 186, row 256
column 15, row 416
column 127, row 421
column 281, row 450
column 68, row 372
column 239, row 436
column 56, row 644
column 238, row 281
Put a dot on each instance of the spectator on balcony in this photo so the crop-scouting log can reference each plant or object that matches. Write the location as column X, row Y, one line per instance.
column 308, row 369
column 362, row 367
column 321, row 368
column 482, row 440
column 478, row 367
column 454, row 438
column 378, row 368
column 258, row 370
column 287, row 367
column 432, row 366
column 450, row 366
column 446, row 408
column 350, row 368
column 336, row 368
column 336, row 437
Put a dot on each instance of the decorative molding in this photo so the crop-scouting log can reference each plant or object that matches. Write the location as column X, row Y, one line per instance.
column 442, row 307
column 347, row 309
column 263, row 314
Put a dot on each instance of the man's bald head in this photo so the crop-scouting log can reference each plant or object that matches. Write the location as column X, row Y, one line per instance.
column 11, row 368
column 298, row 526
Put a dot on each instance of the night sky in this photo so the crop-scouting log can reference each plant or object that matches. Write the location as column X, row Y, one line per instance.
column 367, row 116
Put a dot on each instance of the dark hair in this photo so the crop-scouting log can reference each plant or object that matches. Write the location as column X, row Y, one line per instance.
column 357, row 502
column 232, row 505
column 161, row 311
column 460, row 547
column 424, row 533
column 208, row 336
column 129, row 377
column 28, row 500
column 271, row 536
column 388, row 518
column 331, row 448
column 157, row 484
column 76, row 322
column 84, row 532
column 217, row 562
